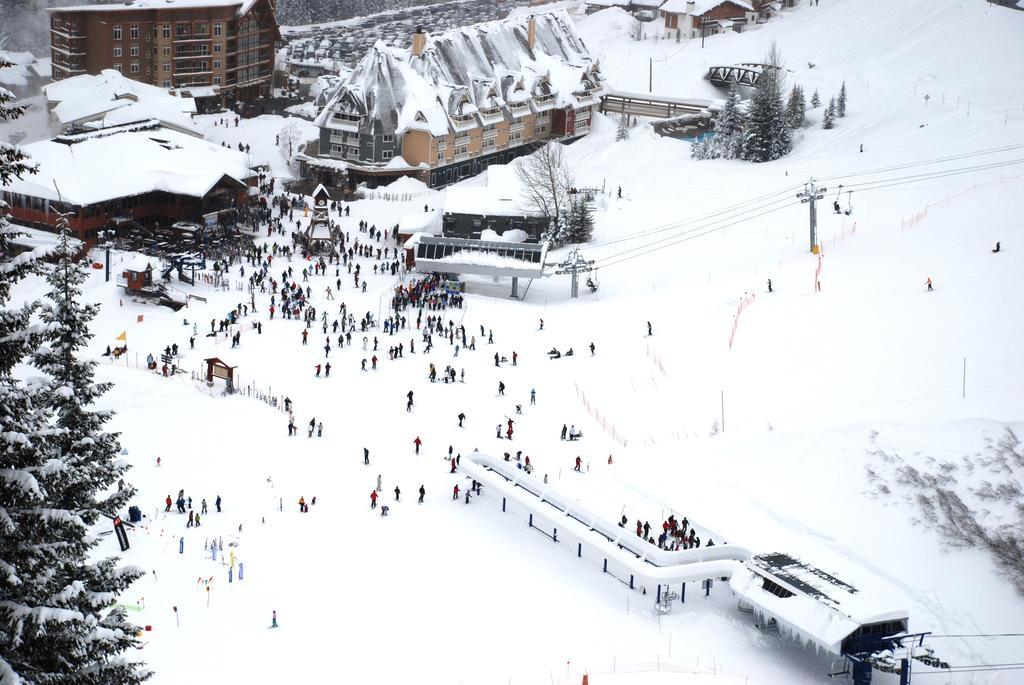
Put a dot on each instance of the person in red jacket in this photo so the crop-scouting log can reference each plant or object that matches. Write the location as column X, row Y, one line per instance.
column 168, row 503
column 373, row 499
column 579, row 463
column 417, row 442
column 453, row 465
column 455, row 492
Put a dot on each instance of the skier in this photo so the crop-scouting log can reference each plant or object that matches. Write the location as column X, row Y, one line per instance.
column 579, row 463
column 564, row 431
column 373, row 499
column 929, row 283
column 423, row 493
column 453, row 466
column 770, row 285
column 408, row 405
column 533, row 396
column 592, row 349
column 998, row 249
column 203, row 506
column 378, row 483
column 455, row 492
column 417, row 442
column 273, row 619
column 650, row 330
column 501, row 387
column 462, row 417
column 168, row 502
column 366, row 460
column 217, row 503
column 397, row 493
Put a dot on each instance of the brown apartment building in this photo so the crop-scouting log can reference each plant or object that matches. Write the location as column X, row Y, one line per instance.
column 219, row 49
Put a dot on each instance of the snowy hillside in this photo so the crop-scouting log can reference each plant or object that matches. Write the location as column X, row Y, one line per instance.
column 772, row 419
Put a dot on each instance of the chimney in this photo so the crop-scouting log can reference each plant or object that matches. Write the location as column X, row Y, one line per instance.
column 531, row 32
column 691, row 8
column 419, row 41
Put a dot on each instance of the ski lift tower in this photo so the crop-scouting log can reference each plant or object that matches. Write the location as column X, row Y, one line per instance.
column 575, row 265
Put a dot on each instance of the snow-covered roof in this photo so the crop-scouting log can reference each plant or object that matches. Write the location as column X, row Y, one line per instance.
column 110, row 99
column 462, row 71
column 501, row 196
column 420, row 222
column 147, row 4
column 137, row 263
column 125, row 161
column 702, row 6
column 32, row 238
column 810, row 602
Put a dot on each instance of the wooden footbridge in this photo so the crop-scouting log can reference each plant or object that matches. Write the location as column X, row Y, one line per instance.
column 654, row 105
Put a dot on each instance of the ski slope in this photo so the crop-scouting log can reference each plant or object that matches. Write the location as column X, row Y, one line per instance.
column 766, row 442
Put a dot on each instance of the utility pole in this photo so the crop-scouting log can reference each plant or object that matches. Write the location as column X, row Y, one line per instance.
column 810, row 195
column 575, row 265
column 703, row 30
column 650, row 74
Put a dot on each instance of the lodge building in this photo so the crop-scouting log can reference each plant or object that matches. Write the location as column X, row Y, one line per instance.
column 455, row 103
column 214, row 49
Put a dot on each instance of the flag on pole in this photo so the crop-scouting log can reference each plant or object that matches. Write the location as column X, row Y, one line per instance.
column 140, row 318
column 123, row 337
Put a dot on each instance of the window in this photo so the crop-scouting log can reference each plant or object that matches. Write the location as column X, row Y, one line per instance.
column 202, row 29
column 216, row 47
column 218, row 28
column 167, row 67
column 117, row 66
column 117, row 51
column 117, row 32
column 134, row 50
column 387, row 154
column 181, row 30
column 133, row 31
column 216, row 64
column 148, row 71
column 440, row 156
column 337, row 148
column 134, row 67
column 216, row 80
column 165, row 30
column 389, row 138
column 167, row 84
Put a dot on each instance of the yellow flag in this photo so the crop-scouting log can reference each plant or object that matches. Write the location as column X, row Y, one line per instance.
column 123, row 337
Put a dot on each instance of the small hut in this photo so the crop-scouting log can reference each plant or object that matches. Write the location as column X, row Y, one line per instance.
column 137, row 275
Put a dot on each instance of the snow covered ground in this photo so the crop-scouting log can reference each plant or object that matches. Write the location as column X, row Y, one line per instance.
column 765, row 441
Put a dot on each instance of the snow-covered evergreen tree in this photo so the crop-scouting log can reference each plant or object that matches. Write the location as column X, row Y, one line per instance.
column 726, row 140
column 795, row 107
column 60, row 618
column 581, row 221
column 622, row 133
column 841, row 102
column 815, row 100
column 829, row 120
column 767, row 135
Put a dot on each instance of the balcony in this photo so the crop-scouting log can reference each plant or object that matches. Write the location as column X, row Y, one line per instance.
column 459, row 158
column 69, row 35
column 490, row 133
column 191, row 55
column 517, row 126
column 462, row 139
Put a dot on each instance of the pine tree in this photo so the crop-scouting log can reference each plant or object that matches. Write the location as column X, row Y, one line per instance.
column 795, row 108
column 55, row 627
column 815, row 100
column 841, row 102
column 622, row 133
column 768, row 135
column 829, row 120
column 581, row 225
